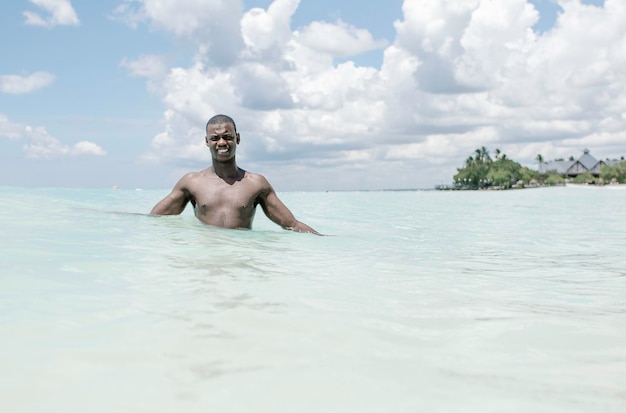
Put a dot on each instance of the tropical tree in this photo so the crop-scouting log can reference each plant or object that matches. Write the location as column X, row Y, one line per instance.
column 504, row 172
column 527, row 175
column 473, row 174
column 584, row 178
column 482, row 155
column 480, row 171
column 554, row 179
column 613, row 173
column 539, row 160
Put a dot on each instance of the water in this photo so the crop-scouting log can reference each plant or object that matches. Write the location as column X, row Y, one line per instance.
column 509, row 301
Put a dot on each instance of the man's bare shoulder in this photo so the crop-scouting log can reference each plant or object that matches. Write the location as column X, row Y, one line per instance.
column 257, row 179
column 190, row 177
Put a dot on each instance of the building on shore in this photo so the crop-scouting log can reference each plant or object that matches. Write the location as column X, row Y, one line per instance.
column 572, row 168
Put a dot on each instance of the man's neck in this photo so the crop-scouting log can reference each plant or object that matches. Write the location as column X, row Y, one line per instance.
column 228, row 171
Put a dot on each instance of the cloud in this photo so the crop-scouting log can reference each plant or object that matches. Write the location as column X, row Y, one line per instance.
column 268, row 31
column 339, row 39
column 43, row 146
column 152, row 67
column 87, row 148
column 213, row 25
column 458, row 75
column 16, row 84
column 270, row 75
column 260, row 87
column 61, row 13
column 185, row 92
column 443, row 145
column 40, row 145
column 10, row 130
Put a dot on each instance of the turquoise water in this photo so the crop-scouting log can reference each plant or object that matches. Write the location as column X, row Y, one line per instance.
column 510, row 301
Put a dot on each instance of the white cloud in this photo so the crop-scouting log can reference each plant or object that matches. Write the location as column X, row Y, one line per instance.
column 460, row 74
column 264, row 31
column 43, row 146
column 213, row 25
column 184, row 18
column 261, row 87
column 128, row 14
column 10, row 130
column 148, row 66
column 87, row 148
column 190, row 94
column 40, row 145
column 270, row 74
column 339, row 39
column 495, row 43
column 16, row 84
column 61, row 13
column 444, row 145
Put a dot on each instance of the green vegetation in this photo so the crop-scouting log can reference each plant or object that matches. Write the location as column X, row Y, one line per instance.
column 554, row 179
column 584, row 178
column 480, row 171
column 615, row 173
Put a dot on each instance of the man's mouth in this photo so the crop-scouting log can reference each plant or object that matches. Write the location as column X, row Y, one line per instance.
column 222, row 150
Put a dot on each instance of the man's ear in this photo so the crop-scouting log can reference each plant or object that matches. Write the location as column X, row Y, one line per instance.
column 206, row 140
column 238, row 138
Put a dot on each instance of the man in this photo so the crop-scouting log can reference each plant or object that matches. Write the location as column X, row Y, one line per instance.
column 225, row 195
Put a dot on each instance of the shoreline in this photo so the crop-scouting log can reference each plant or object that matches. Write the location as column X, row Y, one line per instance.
column 566, row 185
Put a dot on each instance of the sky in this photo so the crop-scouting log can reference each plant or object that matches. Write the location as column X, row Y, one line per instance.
column 327, row 95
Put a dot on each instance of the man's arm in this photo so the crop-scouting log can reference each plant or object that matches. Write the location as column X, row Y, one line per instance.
column 278, row 213
column 175, row 202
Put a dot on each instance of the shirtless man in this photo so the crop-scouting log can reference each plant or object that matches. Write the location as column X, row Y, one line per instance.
column 225, row 195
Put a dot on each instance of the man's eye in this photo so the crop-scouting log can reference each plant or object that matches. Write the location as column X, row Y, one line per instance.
column 226, row 138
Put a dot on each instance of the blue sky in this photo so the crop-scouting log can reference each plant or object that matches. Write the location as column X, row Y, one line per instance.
column 328, row 95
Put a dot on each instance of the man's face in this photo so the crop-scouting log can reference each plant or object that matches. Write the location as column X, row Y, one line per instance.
column 222, row 140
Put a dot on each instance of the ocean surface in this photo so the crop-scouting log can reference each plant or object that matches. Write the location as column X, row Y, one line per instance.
column 416, row 301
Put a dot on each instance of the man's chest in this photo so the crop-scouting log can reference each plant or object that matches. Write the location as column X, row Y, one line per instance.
column 227, row 197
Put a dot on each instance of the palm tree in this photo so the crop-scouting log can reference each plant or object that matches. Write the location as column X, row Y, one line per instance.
column 486, row 156
column 539, row 159
column 482, row 154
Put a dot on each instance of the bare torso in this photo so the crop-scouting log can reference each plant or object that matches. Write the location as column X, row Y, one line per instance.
column 222, row 203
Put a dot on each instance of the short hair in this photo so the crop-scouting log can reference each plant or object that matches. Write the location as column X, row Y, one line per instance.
column 219, row 119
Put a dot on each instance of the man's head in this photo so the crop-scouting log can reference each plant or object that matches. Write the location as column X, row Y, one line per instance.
column 217, row 119
column 222, row 137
